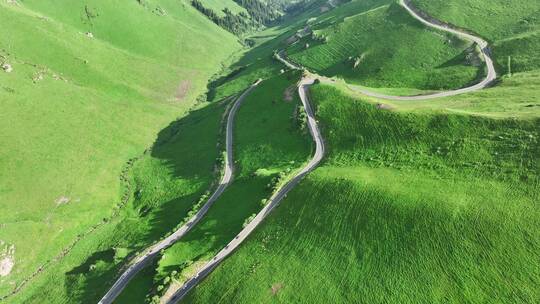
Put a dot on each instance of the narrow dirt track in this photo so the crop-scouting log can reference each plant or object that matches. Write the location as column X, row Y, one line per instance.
column 273, row 202
column 153, row 252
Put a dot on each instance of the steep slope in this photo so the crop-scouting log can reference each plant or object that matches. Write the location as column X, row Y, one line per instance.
column 268, row 146
column 414, row 204
column 91, row 86
column 409, row 207
column 446, row 178
column 512, row 27
column 219, row 5
column 378, row 44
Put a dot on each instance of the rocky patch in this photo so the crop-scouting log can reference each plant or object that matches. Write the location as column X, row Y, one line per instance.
column 382, row 106
column 7, row 68
column 62, row 200
column 7, row 259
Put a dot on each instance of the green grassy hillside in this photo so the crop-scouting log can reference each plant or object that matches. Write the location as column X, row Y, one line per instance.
column 219, row 5
column 512, row 97
column 167, row 183
column 78, row 106
column 378, row 44
column 417, row 202
column 408, row 207
column 268, row 143
column 512, row 27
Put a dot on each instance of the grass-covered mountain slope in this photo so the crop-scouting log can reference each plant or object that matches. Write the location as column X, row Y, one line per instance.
column 408, row 207
column 113, row 119
column 512, row 27
column 219, row 6
column 418, row 202
column 247, row 16
column 262, row 151
column 183, row 259
column 377, row 43
column 167, row 184
column 513, row 96
column 269, row 144
column 90, row 87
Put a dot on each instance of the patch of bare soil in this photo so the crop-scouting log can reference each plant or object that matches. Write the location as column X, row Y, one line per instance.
column 276, row 287
column 7, row 260
column 181, row 278
column 288, row 94
column 62, row 200
column 183, row 90
column 7, row 68
column 382, row 106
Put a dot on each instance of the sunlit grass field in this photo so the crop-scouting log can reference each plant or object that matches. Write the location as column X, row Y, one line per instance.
column 78, row 106
column 219, row 5
column 418, row 202
column 268, row 141
column 378, row 44
column 512, row 27
column 513, row 96
column 409, row 207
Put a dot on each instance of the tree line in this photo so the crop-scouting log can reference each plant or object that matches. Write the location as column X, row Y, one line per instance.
column 258, row 14
column 234, row 23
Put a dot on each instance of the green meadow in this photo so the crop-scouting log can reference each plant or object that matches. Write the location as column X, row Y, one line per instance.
column 511, row 27
column 408, row 207
column 105, row 95
column 268, row 145
column 113, row 121
column 514, row 96
column 377, row 43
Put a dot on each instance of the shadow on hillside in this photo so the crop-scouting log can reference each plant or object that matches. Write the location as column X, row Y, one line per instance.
column 461, row 60
column 84, row 283
column 88, row 282
column 188, row 148
column 106, row 255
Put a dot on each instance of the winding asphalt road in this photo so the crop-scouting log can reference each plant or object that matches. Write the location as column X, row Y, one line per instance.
column 153, row 251
column 418, row 15
column 319, row 153
column 282, row 192
column 272, row 203
column 482, row 44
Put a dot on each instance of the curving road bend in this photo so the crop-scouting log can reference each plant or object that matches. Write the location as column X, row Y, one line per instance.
column 418, row 15
column 482, row 44
column 154, row 250
column 272, row 203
